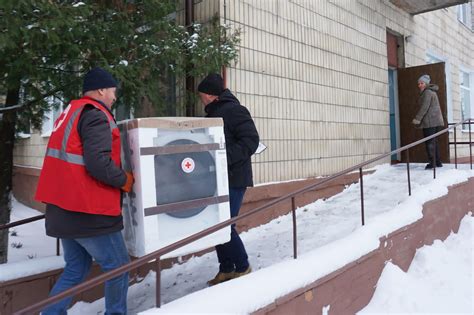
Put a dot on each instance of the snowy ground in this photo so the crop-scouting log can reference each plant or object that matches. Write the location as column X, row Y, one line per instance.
column 28, row 241
column 439, row 280
column 325, row 227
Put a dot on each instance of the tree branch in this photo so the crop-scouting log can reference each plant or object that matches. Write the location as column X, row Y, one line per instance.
column 10, row 108
column 18, row 107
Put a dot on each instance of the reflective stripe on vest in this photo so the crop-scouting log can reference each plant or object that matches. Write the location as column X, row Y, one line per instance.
column 63, row 155
column 71, row 157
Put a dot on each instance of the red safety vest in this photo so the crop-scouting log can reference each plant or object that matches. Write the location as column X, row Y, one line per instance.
column 64, row 181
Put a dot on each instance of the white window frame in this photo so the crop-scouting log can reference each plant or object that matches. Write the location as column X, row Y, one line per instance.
column 21, row 134
column 49, row 118
column 464, row 14
column 432, row 57
column 470, row 72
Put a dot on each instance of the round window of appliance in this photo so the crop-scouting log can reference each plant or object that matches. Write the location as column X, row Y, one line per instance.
column 183, row 177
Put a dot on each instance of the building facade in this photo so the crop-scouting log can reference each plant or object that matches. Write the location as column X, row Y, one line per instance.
column 318, row 80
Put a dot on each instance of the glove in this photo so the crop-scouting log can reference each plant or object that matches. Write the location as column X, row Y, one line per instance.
column 415, row 122
column 127, row 187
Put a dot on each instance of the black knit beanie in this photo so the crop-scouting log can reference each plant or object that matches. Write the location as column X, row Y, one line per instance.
column 98, row 78
column 213, row 84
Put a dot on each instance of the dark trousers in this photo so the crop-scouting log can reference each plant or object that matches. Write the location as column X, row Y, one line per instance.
column 232, row 255
column 432, row 145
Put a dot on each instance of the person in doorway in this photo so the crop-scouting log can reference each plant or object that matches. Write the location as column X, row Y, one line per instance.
column 81, row 184
column 242, row 140
column 429, row 118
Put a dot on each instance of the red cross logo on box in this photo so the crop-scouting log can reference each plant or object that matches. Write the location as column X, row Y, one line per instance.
column 187, row 165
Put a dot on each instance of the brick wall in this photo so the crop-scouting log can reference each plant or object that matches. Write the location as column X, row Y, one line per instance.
column 314, row 76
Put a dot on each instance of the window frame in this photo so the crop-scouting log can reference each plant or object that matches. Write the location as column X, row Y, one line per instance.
column 470, row 73
column 463, row 13
column 50, row 116
column 432, row 57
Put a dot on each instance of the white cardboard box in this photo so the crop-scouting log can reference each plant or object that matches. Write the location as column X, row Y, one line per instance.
column 181, row 184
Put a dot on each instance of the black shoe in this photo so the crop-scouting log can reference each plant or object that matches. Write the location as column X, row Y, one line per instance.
column 439, row 164
column 428, row 166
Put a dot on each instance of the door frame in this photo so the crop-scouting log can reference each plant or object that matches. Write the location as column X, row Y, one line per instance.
column 408, row 95
column 396, row 111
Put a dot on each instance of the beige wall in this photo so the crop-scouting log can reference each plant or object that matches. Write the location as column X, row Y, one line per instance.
column 30, row 151
column 314, row 76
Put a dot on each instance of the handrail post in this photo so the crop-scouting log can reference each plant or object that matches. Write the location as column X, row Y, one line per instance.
column 470, row 142
column 295, row 240
column 361, row 195
column 408, row 172
column 158, row 281
column 455, row 148
column 58, row 250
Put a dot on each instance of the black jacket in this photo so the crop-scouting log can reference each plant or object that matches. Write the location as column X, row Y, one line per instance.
column 241, row 137
column 94, row 130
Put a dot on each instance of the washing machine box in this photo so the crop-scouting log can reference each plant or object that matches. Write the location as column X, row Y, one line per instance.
column 181, row 185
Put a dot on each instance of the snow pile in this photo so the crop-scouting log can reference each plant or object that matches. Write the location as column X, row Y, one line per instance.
column 439, row 280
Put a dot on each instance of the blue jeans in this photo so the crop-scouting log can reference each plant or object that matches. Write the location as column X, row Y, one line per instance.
column 232, row 255
column 109, row 252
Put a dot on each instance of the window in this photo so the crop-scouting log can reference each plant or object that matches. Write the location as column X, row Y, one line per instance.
column 466, row 97
column 50, row 117
column 464, row 14
column 432, row 57
column 23, row 126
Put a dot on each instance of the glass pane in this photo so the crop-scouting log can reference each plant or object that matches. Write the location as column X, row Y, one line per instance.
column 465, row 106
column 50, row 116
column 462, row 12
column 465, row 79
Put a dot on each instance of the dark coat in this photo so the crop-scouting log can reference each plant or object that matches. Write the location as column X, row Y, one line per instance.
column 241, row 137
column 94, row 130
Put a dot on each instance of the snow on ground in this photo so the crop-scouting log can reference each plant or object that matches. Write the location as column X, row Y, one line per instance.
column 439, row 280
column 31, row 251
column 28, row 241
column 327, row 234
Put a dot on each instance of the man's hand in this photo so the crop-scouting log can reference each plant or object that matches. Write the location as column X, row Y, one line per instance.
column 129, row 183
column 415, row 122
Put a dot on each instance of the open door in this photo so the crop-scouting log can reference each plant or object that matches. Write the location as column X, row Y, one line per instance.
column 408, row 94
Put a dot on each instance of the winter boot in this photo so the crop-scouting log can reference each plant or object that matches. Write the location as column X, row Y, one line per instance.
column 243, row 273
column 221, row 277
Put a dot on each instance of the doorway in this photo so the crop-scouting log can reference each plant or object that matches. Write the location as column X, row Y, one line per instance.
column 395, row 60
column 408, row 94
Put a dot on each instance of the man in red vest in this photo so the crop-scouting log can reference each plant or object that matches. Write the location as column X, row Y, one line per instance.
column 81, row 183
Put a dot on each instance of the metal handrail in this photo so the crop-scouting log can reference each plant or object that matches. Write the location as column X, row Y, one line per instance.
column 169, row 248
column 21, row 222
column 29, row 220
